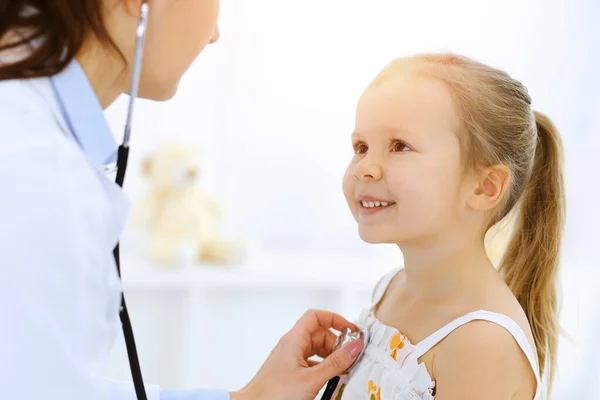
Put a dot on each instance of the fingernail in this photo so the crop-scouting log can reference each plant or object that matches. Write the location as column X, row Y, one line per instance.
column 353, row 348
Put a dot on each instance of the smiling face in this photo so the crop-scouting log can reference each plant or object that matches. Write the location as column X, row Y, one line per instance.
column 404, row 182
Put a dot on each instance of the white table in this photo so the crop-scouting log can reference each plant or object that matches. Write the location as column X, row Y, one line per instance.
column 213, row 326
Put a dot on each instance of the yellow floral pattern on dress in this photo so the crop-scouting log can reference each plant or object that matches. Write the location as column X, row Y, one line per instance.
column 373, row 391
column 396, row 343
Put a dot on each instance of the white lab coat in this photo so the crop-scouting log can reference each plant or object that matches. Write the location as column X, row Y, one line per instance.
column 60, row 219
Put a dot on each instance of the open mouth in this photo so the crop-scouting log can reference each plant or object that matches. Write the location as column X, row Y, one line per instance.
column 368, row 207
column 376, row 204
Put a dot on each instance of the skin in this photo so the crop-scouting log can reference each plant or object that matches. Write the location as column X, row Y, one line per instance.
column 176, row 34
column 407, row 153
column 178, row 30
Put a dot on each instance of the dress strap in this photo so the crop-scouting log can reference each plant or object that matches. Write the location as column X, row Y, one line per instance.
column 507, row 323
column 382, row 286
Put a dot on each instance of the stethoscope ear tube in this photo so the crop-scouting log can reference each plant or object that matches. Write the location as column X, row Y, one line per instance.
column 122, row 158
column 136, row 69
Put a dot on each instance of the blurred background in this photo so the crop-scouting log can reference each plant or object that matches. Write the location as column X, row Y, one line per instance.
column 269, row 111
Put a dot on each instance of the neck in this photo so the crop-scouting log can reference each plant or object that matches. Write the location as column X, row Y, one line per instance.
column 443, row 270
column 104, row 70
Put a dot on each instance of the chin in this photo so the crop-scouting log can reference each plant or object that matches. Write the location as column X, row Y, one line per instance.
column 373, row 237
column 159, row 93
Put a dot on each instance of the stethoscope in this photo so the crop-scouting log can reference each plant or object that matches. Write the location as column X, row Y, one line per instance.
column 344, row 338
column 122, row 156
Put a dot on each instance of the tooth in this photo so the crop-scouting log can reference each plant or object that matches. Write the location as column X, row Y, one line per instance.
column 371, row 204
column 377, row 204
column 364, row 203
column 383, row 203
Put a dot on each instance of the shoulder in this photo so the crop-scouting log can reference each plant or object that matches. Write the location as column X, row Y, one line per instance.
column 40, row 161
column 27, row 116
column 32, row 133
column 478, row 358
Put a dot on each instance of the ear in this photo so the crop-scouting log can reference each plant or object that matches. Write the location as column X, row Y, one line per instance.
column 133, row 7
column 490, row 187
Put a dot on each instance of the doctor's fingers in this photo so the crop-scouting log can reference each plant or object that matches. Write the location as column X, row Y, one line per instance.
column 312, row 363
column 337, row 362
column 321, row 344
column 315, row 320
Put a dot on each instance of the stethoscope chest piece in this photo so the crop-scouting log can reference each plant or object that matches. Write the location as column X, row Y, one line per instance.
column 347, row 336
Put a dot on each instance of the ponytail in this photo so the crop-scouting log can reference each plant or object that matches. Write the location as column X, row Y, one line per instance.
column 531, row 261
column 60, row 25
column 499, row 127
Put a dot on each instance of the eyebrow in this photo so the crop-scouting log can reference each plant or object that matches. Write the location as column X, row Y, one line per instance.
column 390, row 131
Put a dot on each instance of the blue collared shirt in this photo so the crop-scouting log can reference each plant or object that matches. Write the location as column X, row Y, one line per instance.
column 84, row 115
column 85, row 119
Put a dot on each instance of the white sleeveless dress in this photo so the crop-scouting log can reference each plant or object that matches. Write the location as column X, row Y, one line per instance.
column 390, row 369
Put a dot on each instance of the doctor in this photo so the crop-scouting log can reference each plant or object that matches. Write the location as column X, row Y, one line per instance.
column 61, row 63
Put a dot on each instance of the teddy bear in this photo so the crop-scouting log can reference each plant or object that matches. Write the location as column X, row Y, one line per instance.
column 180, row 220
column 498, row 239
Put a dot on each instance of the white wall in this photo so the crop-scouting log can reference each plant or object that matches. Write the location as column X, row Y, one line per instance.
column 271, row 108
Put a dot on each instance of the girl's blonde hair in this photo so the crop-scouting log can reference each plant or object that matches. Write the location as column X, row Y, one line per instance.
column 498, row 126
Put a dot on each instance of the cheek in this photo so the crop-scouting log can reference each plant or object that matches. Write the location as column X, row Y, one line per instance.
column 193, row 26
column 177, row 33
column 425, row 192
column 349, row 186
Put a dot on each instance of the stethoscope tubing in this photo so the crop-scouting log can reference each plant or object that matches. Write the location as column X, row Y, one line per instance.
column 122, row 158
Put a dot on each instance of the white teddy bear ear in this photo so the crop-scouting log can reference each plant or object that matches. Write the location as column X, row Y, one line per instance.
column 498, row 238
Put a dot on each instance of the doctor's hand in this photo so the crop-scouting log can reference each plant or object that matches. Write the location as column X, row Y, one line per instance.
column 288, row 374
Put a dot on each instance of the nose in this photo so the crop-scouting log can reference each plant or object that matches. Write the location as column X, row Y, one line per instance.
column 367, row 170
column 215, row 36
column 192, row 173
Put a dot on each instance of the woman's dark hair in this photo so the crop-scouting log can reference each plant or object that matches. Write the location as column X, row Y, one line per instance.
column 61, row 24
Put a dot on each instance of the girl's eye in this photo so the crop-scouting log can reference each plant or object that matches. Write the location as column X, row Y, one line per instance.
column 399, row 146
column 360, row 148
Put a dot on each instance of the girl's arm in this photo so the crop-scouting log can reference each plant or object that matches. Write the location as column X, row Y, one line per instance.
column 482, row 360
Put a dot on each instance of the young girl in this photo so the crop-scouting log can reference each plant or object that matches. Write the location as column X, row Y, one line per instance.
column 444, row 149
